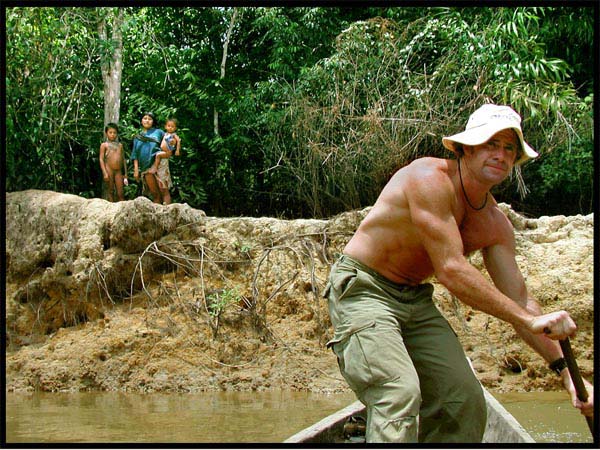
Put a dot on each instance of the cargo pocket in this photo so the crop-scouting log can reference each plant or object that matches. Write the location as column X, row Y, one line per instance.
column 351, row 344
column 341, row 284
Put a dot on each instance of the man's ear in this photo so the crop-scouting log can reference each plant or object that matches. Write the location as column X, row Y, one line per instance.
column 468, row 149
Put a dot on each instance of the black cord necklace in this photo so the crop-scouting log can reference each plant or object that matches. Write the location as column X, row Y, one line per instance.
column 465, row 192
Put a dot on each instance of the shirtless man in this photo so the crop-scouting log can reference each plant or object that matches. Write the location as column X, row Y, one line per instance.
column 394, row 348
column 112, row 160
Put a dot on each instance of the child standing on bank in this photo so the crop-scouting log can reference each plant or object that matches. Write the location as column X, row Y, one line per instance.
column 170, row 143
column 112, row 160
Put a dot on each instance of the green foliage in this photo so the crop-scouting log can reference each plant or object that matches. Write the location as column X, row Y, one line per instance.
column 576, row 169
column 218, row 302
column 245, row 249
column 569, row 35
column 51, row 91
column 318, row 106
column 562, row 182
column 390, row 91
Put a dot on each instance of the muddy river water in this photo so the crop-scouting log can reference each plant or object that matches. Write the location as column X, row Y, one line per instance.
column 228, row 417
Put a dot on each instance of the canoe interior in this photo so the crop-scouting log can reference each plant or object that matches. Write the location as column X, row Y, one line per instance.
column 501, row 426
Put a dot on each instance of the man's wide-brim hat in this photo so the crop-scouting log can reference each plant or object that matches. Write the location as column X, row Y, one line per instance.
column 484, row 123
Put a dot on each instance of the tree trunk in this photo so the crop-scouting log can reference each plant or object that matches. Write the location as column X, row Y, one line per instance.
column 112, row 64
column 223, row 62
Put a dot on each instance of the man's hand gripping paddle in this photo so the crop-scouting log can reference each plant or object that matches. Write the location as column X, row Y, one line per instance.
column 582, row 394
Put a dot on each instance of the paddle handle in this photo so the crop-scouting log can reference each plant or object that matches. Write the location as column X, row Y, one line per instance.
column 582, row 393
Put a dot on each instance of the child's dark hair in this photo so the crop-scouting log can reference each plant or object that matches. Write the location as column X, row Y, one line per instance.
column 172, row 119
column 112, row 125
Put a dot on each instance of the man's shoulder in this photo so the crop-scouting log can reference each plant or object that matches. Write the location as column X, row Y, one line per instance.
column 425, row 176
column 428, row 166
column 430, row 161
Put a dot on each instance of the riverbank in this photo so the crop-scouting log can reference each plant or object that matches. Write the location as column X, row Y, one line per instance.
column 139, row 297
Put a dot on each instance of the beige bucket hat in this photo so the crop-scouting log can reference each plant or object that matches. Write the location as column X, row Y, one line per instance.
column 484, row 123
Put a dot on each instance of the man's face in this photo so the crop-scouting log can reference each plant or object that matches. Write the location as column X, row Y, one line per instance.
column 496, row 157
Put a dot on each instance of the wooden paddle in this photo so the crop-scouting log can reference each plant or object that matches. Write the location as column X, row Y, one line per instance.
column 582, row 394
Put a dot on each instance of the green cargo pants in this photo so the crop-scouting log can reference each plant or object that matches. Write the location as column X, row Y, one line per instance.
column 402, row 359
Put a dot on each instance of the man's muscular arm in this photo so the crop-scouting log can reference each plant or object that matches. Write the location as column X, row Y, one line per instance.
column 431, row 197
column 502, row 266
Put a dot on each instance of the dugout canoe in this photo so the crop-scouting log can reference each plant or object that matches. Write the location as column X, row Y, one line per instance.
column 501, row 426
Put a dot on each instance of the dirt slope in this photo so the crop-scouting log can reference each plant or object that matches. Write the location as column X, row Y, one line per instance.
column 142, row 297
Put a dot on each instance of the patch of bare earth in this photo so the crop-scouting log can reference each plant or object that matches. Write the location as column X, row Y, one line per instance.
column 141, row 297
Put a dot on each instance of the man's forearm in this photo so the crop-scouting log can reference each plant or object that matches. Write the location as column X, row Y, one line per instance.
column 472, row 288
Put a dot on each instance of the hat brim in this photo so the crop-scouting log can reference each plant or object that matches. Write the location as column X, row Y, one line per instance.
column 481, row 134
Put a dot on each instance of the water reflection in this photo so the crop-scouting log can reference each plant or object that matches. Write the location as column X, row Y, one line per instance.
column 238, row 417
column 547, row 416
column 164, row 418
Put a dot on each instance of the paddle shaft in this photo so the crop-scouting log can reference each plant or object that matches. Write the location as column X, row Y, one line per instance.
column 582, row 394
